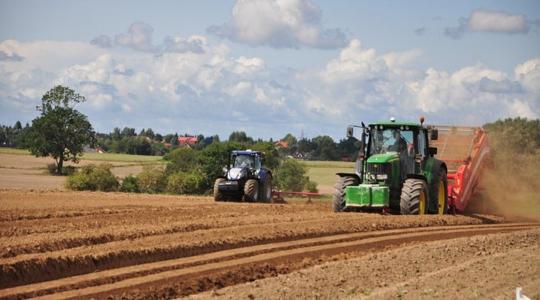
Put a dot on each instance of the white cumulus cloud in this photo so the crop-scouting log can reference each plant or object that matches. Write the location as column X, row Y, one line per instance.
column 218, row 91
column 279, row 24
column 496, row 21
column 491, row 21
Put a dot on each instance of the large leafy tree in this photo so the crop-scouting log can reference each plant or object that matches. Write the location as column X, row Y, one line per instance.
column 60, row 131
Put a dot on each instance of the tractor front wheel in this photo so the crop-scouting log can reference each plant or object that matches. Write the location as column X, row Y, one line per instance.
column 218, row 195
column 251, row 190
column 414, row 195
column 339, row 193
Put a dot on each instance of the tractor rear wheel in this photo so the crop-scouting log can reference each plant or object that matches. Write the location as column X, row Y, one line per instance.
column 441, row 192
column 218, row 195
column 339, row 193
column 414, row 196
column 266, row 193
column 251, row 190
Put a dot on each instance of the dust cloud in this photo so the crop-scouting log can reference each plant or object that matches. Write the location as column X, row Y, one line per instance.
column 510, row 187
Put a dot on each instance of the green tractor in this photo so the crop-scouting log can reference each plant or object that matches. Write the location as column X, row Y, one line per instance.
column 395, row 171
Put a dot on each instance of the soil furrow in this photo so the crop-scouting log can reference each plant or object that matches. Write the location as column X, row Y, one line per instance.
column 157, row 283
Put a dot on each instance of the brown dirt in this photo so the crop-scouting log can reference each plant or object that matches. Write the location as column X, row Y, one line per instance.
column 485, row 267
column 48, row 235
column 198, row 273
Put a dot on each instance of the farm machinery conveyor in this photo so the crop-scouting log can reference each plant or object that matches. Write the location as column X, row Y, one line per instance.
column 410, row 168
column 464, row 150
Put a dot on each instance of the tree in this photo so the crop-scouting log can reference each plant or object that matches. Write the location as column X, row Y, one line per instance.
column 127, row 132
column 183, row 159
column 348, row 148
column 240, row 137
column 214, row 157
column 61, row 131
column 59, row 96
column 271, row 155
column 290, row 176
column 290, row 139
column 116, row 134
column 326, row 148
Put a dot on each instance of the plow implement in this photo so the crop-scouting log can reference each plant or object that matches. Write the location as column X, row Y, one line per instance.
column 465, row 151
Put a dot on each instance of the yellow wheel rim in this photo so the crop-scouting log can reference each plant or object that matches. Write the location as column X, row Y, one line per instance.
column 422, row 203
column 440, row 198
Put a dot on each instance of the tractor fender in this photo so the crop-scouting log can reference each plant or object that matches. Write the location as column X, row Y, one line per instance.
column 349, row 175
column 416, row 176
column 438, row 165
column 263, row 174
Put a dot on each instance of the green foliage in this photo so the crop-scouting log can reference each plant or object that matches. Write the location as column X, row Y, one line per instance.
column 271, row 155
column 325, row 149
column 185, row 182
column 60, row 133
column 13, row 136
column 152, row 180
column 66, row 171
column 240, row 137
column 515, row 153
column 59, row 96
column 510, row 182
column 130, row 184
column 517, row 135
column 159, row 149
column 182, row 159
column 214, row 157
column 93, row 178
column 290, row 176
column 311, row 186
column 290, row 139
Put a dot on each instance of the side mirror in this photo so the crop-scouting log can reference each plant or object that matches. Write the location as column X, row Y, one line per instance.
column 434, row 134
column 432, row 151
column 350, row 131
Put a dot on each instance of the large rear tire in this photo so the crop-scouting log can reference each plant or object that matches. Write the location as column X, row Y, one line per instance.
column 339, row 193
column 441, row 192
column 414, row 197
column 218, row 195
column 266, row 193
column 251, row 190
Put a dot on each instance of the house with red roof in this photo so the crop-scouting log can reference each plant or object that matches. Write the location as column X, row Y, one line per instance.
column 187, row 140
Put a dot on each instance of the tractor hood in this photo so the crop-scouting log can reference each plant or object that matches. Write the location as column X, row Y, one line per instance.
column 382, row 158
column 236, row 173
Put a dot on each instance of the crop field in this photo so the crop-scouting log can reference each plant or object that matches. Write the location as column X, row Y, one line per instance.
column 324, row 173
column 88, row 244
column 56, row 244
column 19, row 169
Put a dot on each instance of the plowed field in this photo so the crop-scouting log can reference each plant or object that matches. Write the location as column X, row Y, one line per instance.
column 98, row 245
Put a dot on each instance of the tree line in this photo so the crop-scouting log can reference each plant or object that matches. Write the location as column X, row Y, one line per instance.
column 146, row 142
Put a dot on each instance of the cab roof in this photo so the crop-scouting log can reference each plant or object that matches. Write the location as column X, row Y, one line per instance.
column 245, row 152
column 395, row 123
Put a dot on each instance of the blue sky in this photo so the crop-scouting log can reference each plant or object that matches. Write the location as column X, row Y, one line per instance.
column 272, row 67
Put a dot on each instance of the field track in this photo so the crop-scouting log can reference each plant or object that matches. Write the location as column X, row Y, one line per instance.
column 198, row 273
column 95, row 245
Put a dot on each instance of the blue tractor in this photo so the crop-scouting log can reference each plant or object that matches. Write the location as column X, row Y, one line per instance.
column 245, row 179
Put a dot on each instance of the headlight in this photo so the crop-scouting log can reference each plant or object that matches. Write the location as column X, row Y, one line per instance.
column 382, row 176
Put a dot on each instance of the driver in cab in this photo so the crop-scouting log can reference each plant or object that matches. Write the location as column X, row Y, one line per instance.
column 400, row 145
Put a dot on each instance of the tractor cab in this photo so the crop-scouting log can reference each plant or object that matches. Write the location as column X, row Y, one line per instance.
column 246, row 159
